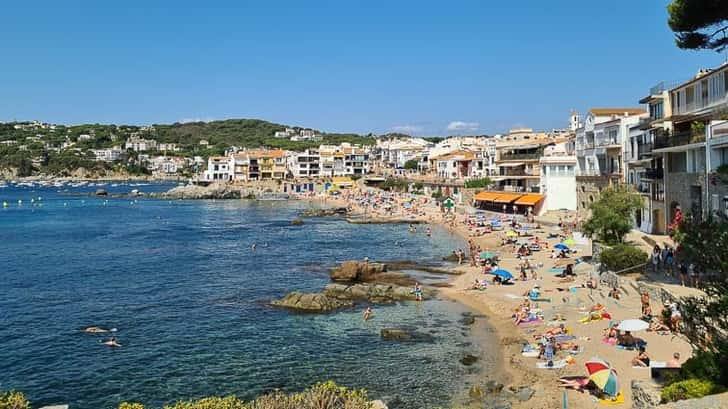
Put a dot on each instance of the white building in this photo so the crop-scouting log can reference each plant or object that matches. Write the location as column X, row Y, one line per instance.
column 107, row 155
column 138, row 144
column 219, row 168
column 558, row 178
column 304, row 164
column 169, row 147
column 84, row 137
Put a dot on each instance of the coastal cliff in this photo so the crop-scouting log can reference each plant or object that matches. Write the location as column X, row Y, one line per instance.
column 213, row 191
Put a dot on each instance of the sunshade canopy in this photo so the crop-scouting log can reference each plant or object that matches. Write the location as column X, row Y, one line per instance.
column 633, row 325
column 529, row 199
column 486, row 196
column 507, row 197
column 603, row 376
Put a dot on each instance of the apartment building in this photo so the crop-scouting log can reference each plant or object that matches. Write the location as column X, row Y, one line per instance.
column 600, row 146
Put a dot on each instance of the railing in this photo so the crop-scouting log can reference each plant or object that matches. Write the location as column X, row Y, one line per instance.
column 654, row 173
column 677, row 139
column 643, row 149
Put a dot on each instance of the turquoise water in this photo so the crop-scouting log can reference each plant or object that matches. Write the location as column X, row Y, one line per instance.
column 189, row 299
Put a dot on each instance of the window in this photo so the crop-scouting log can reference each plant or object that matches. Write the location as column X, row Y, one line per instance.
column 689, row 96
column 704, row 92
column 725, row 82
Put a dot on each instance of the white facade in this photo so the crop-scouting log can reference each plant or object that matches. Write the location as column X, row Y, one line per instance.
column 107, row 155
column 219, row 168
column 558, row 181
column 139, row 145
column 304, row 164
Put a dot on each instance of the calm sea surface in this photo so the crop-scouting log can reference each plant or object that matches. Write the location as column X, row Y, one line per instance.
column 189, row 299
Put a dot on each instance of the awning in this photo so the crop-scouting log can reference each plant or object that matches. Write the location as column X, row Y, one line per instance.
column 486, row 196
column 511, row 165
column 507, row 197
column 529, row 200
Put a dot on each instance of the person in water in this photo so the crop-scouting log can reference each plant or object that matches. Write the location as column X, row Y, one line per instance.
column 112, row 342
column 428, row 232
column 253, row 246
column 418, row 291
column 367, row 313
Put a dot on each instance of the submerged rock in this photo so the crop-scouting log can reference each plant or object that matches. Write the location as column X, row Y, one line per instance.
column 405, row 335
column 297, row 221
column 468, row 359
column 311, row 302
column 334, row 211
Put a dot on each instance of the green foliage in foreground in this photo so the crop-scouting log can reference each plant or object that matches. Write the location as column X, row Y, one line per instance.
column 394, row 184
column 622, row 256
column 611, row 217
column 478, row 183
column 689, row 389
column 327, row 395
column 13, row 400
column 410, row 164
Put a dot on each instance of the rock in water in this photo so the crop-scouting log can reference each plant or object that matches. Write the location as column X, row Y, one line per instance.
column 468, row 359
column 101, row 192
column 297, row 221
column 354, row 271
column 311, row 302
column 404, row 335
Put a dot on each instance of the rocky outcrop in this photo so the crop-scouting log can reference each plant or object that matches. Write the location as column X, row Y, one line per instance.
column 357, row 271
column 333, row 211
column 213, row 191
column 375, row 293
column 297, row 221
column 311, row 302
column 645, row 395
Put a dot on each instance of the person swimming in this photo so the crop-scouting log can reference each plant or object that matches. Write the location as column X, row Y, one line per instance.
column 111, row 342
column 428, row 232
column 253, row 246
column 417, row 291
column 367, row 313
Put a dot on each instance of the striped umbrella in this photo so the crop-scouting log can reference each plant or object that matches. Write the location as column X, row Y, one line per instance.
column 603, row 376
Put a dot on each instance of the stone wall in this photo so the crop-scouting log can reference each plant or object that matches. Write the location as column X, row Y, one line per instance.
column 677, row 190
column 588, row 190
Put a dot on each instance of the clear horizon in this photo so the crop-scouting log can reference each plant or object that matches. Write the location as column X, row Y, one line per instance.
column 413, row 67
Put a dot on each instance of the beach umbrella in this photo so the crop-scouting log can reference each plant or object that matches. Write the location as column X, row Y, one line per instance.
column 603, row 376
column 561, row 246
column 633, row 325
column 569, row 242
column 511, row 233
column 502, row 274
column 487, row 254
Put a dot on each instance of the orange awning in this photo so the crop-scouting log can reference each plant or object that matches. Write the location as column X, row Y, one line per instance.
column 529, row 200
column 507, row 197
column 486, row 196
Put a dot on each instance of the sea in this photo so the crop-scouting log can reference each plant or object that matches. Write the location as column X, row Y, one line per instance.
column 189, row 302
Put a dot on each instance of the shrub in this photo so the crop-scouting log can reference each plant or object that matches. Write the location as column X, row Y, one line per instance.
column 622, row 256
column 689, row 389
column 13, row 400
column 228, row 402
column 478, row 183
column 131, row 405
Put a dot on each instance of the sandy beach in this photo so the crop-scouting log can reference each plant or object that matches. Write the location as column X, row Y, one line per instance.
column 499, row 302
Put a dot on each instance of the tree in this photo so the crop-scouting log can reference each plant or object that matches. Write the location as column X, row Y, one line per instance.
column 699, row 24
column 410, row 164
column 478, row 183
column 611, row 217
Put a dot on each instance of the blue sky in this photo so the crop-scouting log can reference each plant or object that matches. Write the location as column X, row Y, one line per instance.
column 360, row 66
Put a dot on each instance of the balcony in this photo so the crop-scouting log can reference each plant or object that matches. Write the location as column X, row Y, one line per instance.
column 678, row 139
column 654, row 174
column 644, row 150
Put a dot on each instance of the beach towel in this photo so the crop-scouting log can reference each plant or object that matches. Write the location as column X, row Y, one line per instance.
column 537, row 321
column 555, row 364
column 577, row 351
column 541, row 299
column 610, row 341
column 563, row 338
column 619, row 400
column 556, row 270
column 531, row 354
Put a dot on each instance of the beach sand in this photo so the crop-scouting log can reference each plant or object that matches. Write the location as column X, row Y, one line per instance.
column 498, row 302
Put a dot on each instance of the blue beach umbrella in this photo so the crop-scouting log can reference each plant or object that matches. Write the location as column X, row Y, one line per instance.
column 561, row 247
column 502, row 274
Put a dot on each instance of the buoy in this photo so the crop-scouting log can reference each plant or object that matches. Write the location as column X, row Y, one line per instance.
column 20, row 202
column 5, row 204
column 65, row 204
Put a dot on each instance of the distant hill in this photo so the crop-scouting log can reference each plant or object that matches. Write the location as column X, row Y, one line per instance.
column 245, row 132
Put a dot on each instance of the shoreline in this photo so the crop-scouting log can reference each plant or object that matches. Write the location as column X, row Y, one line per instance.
column 497, row 304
